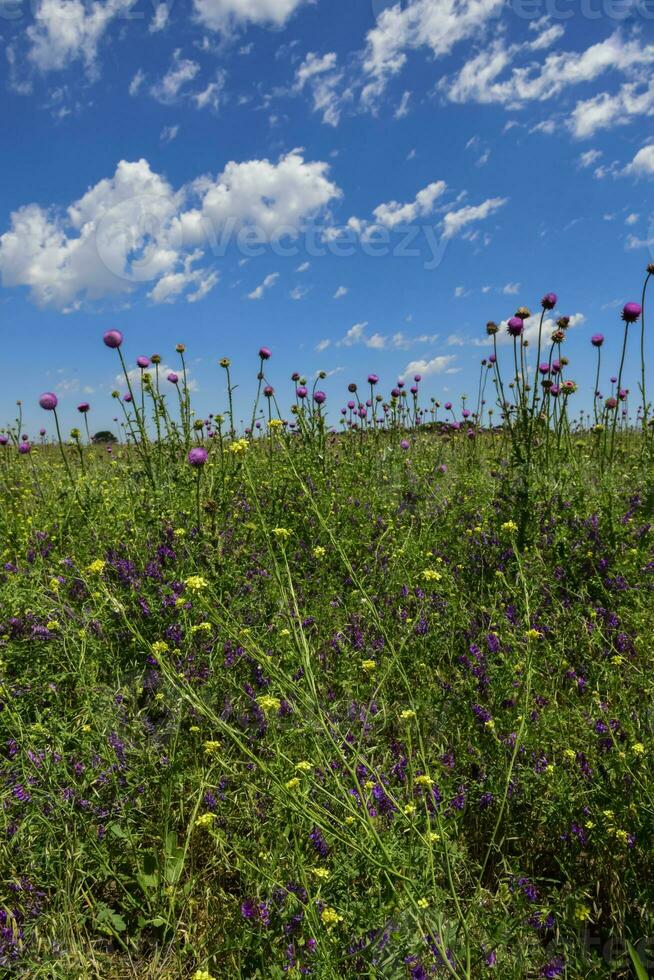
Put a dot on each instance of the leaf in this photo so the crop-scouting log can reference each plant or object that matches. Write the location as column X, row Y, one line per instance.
column 110, row 919
column 641, row 972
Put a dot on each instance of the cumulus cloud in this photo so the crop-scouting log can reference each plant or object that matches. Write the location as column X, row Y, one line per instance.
column 455, row 221
column 65, row 31
column 421, row 23
column 603, row 111
column 392, row 214
column 226, row 15
column 642, row 164
column 435, row 365
column 135, row 228
column 479, row 80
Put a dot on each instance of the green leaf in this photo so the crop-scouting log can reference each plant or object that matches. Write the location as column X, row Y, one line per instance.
column 641, row 972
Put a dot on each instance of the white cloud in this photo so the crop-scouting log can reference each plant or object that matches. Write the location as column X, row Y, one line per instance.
column 168, row 134
column 604, row 111
column 590, row 157
column 181, row 72
column 272, row 197
column 392, row 214
column 172, row 285
column 479, row 79
column 454, row 221
column 267, row 283
column 136, row 82
column 298, row 292
column 65, row 31
column 403, row 108
column 632, row 219
column 642, row 164
column 323, row 345
column 134, row 228
column 303, row 267
column 211, row 96
column 324, row 78
column 376, row 341
column 340, row 292
column 225, row 15
column 511, row 289
column 160, row 19
column 421, row 23
column 436, row 365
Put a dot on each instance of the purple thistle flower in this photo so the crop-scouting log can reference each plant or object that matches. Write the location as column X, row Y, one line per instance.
column 172, row 377
column 548, row 301
column 264, row 353
column 597, row 339
column 143, row 362
column 83, row 407
column 113, row 338
column 197, row 456
column 373, row 379
column 320, row 397
column 48, row 401
column 515, row 326
column 631, row 312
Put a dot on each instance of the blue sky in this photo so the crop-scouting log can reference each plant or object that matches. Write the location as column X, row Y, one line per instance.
column 357, row 184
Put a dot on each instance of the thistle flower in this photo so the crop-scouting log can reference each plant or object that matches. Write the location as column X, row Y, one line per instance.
column 515, row 326
column 197, row 456
column 83, row 407
column 172, row 377
column 523, row 313
column 24, row 448
column 491, row 328
column 597, row 339
column 48, row 401
column 302, row 392
column 319, row 397
column 631, row 312
column 264, row 353
column 143, row 362
column 548, row 301
column 113, row 338
column 373, row 379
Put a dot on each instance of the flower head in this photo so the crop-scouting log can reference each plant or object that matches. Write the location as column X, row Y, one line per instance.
column 264, row 353
column 197, row 456
column 631, row 312
column 597, row 339
column 548, row 301
column 515, row 326
column 83, row 407
column 48, row 401
column 113, row 338
column 319, row 397
column 143, row 362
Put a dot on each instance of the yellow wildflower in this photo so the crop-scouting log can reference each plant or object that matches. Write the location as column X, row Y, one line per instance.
column 639, row 748
column 268, row 703
column 410, row 809
column 205, row 821
column 407, row 715
column 423, row 903
column 509, row 527
column 368, row 665
column 430, row 575
column 319, row 552
column 160, row 646
column 196, row 583
column 321, row 873
column 96, row 567
column 330, row 917
column 211, row 748
column 281, row 533
column 293, row 783
column 423, row 780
